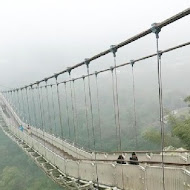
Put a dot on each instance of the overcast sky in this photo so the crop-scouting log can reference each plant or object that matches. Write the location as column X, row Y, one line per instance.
column 41, row 37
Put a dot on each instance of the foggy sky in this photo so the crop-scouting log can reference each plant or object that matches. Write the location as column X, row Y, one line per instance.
column 42, row 37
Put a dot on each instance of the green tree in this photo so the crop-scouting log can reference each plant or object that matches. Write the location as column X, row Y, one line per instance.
column 11, row 179
column 182, row 131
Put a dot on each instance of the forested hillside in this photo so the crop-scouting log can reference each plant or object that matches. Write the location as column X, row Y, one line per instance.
column 18, row 171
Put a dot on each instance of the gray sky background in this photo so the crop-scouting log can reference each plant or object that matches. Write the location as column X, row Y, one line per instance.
column 41, row 37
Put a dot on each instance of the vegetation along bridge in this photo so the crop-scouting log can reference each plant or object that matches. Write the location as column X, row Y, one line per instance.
column 74, row 125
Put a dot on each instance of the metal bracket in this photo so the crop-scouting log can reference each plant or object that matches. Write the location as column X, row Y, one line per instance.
column 155, row 29
column 113, row 49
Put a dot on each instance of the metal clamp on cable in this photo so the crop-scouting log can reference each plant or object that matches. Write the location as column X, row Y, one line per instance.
column 111, row 69
column 113, row 49
column 69, row 70
column 87, row 62
column 83, row 77
column 132, row 62
column 96, row 73
column 159, row 54
column 56, row 76
column 45, row 80
column 156, row 29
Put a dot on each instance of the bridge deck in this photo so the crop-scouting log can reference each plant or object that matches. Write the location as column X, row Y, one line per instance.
column 71, row 161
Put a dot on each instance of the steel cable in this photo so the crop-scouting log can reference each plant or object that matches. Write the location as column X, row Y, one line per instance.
column 67, row 110
column 117, row 103
column 54, row 115
column 134, row 108
column 27, row 100
column 59, row 108
column 114, row 107
column 72, row 107
column 86, row 112
column 92, row 122
column 160, row 107
column 41, row 114
column 98, row 102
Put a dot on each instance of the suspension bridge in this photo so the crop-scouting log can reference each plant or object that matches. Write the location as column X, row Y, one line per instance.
column 64, row 135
